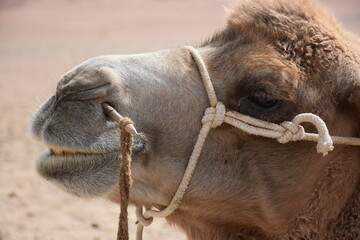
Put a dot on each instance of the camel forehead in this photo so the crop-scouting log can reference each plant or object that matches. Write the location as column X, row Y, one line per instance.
column 263, row 61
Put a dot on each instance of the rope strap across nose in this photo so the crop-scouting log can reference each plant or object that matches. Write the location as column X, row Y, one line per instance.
column 215, row 116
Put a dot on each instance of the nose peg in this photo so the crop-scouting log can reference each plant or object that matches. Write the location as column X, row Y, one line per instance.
column 114, row 115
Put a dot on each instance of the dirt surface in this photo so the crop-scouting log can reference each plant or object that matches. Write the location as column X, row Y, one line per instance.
column 42, row 39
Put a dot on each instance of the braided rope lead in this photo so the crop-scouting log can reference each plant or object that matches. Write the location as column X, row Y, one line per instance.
column 127, row 130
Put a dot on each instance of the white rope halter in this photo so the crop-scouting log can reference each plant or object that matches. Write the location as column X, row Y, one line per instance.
column 217, row 114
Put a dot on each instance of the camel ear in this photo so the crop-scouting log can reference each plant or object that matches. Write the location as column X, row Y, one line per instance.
column 349, row 103
column 354, row 96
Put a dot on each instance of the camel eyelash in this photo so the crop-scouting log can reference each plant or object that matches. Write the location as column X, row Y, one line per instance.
column 262, row 99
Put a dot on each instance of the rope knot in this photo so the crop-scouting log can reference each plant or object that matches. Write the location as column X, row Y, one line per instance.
column 126, row 125
column 123, row 122
column 292, row 132
column 215, row 115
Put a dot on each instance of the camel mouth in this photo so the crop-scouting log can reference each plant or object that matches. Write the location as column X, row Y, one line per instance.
column 59, row 160
column 56, row 151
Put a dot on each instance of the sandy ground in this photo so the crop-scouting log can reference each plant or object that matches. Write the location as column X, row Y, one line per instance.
column 42, row 39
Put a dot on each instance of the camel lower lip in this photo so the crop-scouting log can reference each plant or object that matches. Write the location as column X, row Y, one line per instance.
column 73, row 172
column 50, row 165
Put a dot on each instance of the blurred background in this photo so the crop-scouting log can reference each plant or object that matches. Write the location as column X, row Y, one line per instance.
column 42, row 39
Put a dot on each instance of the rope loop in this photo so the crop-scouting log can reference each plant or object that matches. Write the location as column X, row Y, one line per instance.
column 141, row 220
column 325, row 143
column 292, row 132
column 215, row 115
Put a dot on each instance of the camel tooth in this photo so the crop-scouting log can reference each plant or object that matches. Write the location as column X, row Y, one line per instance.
column 68, row 152
column 57, row 152
column 131, row 129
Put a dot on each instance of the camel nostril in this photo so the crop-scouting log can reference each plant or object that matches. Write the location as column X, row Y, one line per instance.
column 89, row 94
column 88, row 84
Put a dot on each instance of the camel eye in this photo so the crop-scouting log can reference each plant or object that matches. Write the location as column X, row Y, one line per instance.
column 262, row 99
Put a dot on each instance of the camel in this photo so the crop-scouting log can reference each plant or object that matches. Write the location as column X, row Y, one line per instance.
column 273, row 60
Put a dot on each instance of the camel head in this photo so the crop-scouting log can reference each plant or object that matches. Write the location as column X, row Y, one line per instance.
column 273, row 60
